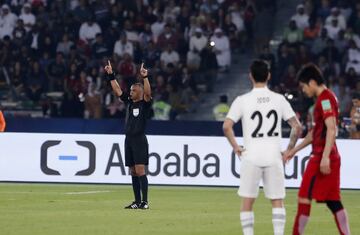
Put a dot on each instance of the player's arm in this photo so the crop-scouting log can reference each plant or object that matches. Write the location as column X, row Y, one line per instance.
column 295, row 132
column 147, row 87
column 289, row 154
column 2, row 122
column 230, row 135
column 330, row 124
column 111, row 76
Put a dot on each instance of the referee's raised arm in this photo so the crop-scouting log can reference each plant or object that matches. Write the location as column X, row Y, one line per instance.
column 147, row 87
column 111, row 77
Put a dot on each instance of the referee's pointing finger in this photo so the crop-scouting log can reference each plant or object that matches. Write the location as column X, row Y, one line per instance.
column 109, row 63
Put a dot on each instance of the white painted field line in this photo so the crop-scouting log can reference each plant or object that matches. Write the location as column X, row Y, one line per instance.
column 87, row 192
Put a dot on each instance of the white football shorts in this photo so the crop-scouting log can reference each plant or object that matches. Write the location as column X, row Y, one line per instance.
column 271, row 176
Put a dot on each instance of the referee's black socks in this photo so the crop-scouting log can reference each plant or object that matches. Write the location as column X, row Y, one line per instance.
column 144, row 187
column 136, row 188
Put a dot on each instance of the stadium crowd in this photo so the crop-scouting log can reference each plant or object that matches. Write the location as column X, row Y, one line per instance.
column 327, row 33
column 52, row 47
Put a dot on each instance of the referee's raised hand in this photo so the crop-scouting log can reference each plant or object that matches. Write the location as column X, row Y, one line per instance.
column 143, row 71
column 108, row 68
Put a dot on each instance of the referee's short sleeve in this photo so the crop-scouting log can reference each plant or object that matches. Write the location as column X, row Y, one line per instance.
column 287, row 111
column 235, row 112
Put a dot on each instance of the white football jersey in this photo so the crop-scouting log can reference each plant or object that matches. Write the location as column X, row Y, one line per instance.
column 261, row 112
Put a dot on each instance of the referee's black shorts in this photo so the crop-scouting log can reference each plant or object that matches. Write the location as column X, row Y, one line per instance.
column 136, row 150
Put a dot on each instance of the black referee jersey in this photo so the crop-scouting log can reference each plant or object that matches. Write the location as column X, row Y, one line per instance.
column 137, row 114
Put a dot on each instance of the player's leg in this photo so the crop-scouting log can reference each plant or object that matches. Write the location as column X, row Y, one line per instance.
column 140, row 171
column 141, row 157
column 302, row 215
column 340, row 215
column 274, row 188
column 305, row 195
column 249, row 189
column 333, row 202
column 129, row 161
column 278, row 216
column 247, row 215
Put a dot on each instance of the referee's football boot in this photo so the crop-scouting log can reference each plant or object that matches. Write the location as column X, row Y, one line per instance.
column 144, row 205
column 134, row 205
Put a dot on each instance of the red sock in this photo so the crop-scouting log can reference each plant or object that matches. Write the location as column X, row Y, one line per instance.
column 342, row 222
column 301, row 218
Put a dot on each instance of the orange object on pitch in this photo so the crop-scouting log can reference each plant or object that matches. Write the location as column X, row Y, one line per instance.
column 2, row 122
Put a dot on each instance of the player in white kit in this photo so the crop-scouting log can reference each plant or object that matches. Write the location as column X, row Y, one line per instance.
column 261, row 112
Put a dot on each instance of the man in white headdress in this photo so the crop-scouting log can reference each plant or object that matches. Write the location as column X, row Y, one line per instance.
column 222, row 49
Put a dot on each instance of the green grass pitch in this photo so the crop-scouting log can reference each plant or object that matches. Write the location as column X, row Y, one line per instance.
column 51, row 209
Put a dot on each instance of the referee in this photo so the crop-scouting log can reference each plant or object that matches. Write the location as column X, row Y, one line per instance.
column 138, row 105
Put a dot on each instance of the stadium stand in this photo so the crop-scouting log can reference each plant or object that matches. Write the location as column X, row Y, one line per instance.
column 326, row 33
column 52, row 52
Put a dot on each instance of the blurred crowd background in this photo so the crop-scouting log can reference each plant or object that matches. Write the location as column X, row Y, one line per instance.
column 52, row 53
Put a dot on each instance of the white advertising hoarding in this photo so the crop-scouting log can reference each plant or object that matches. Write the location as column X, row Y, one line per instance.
column 174, row 160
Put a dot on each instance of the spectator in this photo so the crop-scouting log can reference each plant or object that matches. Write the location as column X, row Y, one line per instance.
column 131, row 34
column 333, row 29
column 344, row 100
column 355, row 117
column 285, row 58
column 232, row 32
column 64, row 45
column 18, row 77
column 351, row 35
column 341, row 43
column 289, row 79
column 88, row 30
column 127, row 69
column 197, row 43
column 57, row 72
column 336, row 15
column 236, row 17
column 7, row 21
column 168, row 37
column 269, row 57
column 123, row 46
column 19, row 33
column 27, row 17
column 324, row 10
column 319, row 43
column 82, row 12
column 301, row 18
column 293, row 35
column 351, row 77
column 312, row 31
column 353, row 57
column 208, row 67
column 221, row 109
column 157, row 28
column 99, row 48
column 331, row 53
column 162, row 108
column 92, row 103
column 222, row 49
column 145, row 37
column 159, row 86
column 169, row 56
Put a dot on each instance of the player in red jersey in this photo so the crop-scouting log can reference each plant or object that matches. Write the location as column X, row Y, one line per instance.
column 321, row 179
column 2, row 122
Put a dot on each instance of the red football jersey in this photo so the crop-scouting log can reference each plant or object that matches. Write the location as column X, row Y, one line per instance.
column 326, row 106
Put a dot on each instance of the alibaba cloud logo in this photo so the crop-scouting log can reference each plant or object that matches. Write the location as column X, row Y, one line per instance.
column 44, row 157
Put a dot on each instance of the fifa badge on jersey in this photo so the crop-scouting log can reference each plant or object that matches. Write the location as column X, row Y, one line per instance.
column 136, row 112
column 326, row 106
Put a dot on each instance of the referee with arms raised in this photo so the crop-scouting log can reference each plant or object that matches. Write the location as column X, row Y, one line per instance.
column 138, row 106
